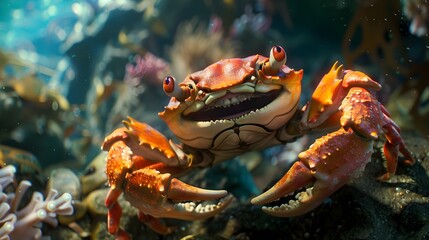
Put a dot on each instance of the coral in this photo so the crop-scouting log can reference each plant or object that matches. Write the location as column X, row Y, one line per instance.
column 147, row 69
column 24, row 223
column 256, row 23
column 380, row 39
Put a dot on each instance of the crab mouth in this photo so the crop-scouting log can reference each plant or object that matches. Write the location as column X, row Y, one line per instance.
column 234, row 105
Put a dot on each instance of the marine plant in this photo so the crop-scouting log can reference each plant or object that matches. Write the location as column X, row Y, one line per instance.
column 147, row 69
column 195, row 48
column 26, row 222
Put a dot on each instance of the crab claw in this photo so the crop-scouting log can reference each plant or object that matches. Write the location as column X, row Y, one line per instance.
column 158, row 195
column 326, row 166
column 141, row 165
column 165, row 197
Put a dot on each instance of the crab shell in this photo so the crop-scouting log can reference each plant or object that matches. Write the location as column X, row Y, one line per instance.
column 234, row 104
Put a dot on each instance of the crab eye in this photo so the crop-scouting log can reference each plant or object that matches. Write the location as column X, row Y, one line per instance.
column 276, row 61
column 278, row 54
column 169, row 84
column 172, row 89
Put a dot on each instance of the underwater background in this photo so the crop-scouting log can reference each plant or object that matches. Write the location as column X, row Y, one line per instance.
column 72, row 71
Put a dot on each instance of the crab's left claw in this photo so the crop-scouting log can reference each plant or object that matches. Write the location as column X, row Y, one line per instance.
column 343, row 101
column 326, row 166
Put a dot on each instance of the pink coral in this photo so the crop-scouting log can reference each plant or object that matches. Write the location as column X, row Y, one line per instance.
column 147, row 69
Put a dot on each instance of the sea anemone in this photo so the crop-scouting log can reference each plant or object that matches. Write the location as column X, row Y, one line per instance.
column 195, row 48
column 24, row 223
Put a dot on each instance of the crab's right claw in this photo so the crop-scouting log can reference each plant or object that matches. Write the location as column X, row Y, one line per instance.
column 142, row 164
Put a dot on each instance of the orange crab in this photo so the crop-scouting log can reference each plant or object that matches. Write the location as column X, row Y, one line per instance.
column 237, row 105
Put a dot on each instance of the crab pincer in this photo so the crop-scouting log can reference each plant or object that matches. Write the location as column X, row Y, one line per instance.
column 150, row 184
column 343, row 101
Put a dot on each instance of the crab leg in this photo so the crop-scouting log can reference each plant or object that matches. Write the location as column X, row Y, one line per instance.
column 392, row 132
column 154, row 223
column 392, row 147
column 113, row 217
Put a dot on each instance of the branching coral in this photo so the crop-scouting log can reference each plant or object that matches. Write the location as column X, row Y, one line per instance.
column 25, row 223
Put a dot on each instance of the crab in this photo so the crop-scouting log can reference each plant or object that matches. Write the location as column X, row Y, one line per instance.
column 242, row 104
